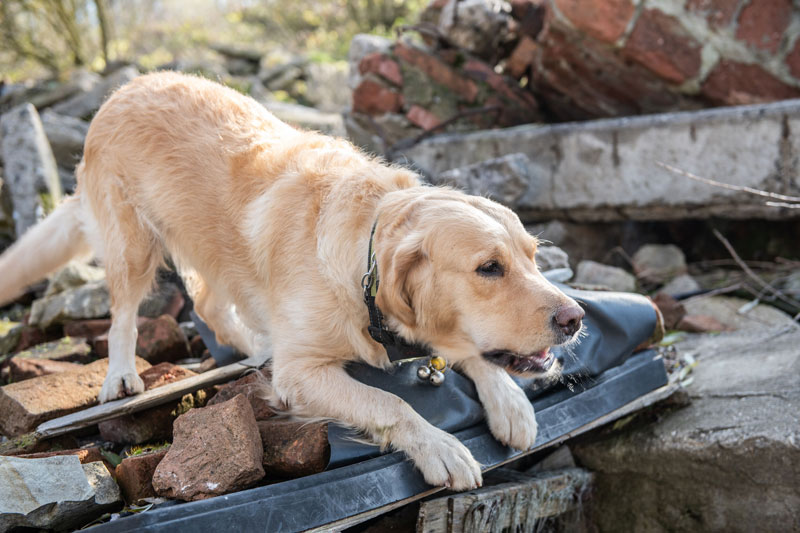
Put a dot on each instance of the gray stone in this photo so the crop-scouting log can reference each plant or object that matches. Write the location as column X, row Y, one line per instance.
column 85, row 104
column 307, row 118
column 504, row 179
column 551, row 257
column 682, row 284
column 73, row 275
column 729, row 461
column 393, row 127
column 66, row 135
column 598, row 274
column 606, row 169
column 478, row 26
column 325, row 83
column 87, row 301
column 29, row 167
column 791, row 285
column 10, row 338
column 361, row 46
column 45, row 94
column 189, row 329
column 658, row 263
column 54, row 492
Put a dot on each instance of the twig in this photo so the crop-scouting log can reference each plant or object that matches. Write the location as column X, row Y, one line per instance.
column 739, row 188
column 755, row 277
column 783, row 204
column 714, row 292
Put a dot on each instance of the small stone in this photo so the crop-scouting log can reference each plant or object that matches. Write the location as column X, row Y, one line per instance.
column 70, row 349
column 701, row 324
column 683, row 284
column 671, row 309
column 614, row 278
column 21, row 369
column 505, row 179
column 658, row 263
column 85, row 104
column 29, row 168
column 28, row 403
column 10, row 338
column 151, row 424
column 216, row 450
column 54, row 492
column 135, row 476
column 87, row 301
column 255, row 386
column 551, row 257
column 72, row 276
column 294, row 448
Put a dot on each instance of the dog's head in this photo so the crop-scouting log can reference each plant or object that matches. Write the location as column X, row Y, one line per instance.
column 458, row 273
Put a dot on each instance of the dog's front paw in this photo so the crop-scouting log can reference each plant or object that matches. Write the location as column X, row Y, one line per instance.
column 444, row 461
column 119, row 385
column 511, row 419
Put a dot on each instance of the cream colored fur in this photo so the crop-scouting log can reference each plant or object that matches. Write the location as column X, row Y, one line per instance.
column 269, row 226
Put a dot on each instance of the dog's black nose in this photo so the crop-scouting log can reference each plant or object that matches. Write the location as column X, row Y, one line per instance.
column 568, row 319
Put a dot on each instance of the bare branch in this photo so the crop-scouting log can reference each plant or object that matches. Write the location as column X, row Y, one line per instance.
column 739, row 188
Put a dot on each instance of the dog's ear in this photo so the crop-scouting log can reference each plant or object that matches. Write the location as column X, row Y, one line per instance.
column 395, row 296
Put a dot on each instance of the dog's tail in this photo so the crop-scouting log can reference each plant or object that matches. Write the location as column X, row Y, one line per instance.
column 42, row 249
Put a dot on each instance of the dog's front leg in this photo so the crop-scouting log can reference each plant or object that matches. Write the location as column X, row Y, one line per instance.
column 509, row 413
column 328, row 391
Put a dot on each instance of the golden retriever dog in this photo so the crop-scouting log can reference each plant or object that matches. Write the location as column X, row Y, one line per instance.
column 270, row 227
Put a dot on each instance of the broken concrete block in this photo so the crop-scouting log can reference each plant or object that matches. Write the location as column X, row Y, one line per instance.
column 614, row 278
column 54, row 492
column 256, row 387
column 85, row 104
column 29, row 172
column 21, row 369
column 215, row 450
column 294, row 448
column 69, row 349
column 658, row 263
column 504, row 179
column 160, row 340
column 151, row 424
column 135, row 475
column 75, row 274
column 28, row 403
column 87, row 301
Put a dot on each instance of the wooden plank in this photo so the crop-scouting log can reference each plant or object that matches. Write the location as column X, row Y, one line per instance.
column 132, row 404
column 515, row 506
column 640, row 403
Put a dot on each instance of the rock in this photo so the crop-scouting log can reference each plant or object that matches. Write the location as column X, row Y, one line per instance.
column 606, row 171
column 614, row 278
column 478, row 26
column 21, row 369
column 735, row 83
column 85, row 455
column 324, row 83
column 727, row 462
column 239, row 61
column 74, row 274
column 10, row 338
column 166, row 299
column 504, row 179
column 255, row 386
column 87, row 301
column 393, row 127
column 216, row 450
column 294, row 448
column 135, row 476
column 701, row 324
column 657, row 263
column 29, row 168
column 551, row 257
column 66, row 135
column 671, row 309
column 791, row 285
column 54, row 492
column 373, row 98
column 382, row 66
column 28, row 403
column 307, row 118
column 30, row 336
column 89, row 329
column 189, row 329
column 160, row 340
column 85, row 104
column 683, row 284
column 70, row 349
column 151, row 424
column 360, row 46
column 726, row 310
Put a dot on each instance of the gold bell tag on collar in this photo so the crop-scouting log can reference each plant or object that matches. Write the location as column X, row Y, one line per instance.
column 433, row 371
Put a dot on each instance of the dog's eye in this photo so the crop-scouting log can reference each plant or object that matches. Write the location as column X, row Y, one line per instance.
column 490, row 269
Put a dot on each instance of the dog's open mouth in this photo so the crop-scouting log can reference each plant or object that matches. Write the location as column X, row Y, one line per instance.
column 540, row 361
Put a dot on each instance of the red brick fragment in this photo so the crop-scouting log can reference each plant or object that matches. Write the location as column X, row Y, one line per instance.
column 605, row 20
column 383, row 66
column 21, row 369
column 762, row 23
column 522, row 57
column 294, row 448
column 437, row 70
column 732, row 83
column 372, row 98
column 160, row 340
column 135, row 476
column 423, row 118
column 255, row 386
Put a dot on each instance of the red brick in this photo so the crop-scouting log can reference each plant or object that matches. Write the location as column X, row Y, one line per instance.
column 506, row 87
column 383, row 66
column 662, row 44
column 602, row 19
column 160, row 340
column 21, row 369
column 423, row 118
column 762, row 23
column 294, row 448
column 255, row 387
column 32, row 335
column 732, row 83
column 372, row 98
column 718, row 13
column 89, row 329
column 522, row 57
column 793, row 60
column 135, row 475
column 85, row 455
column 437, row 70
column 701, row 324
